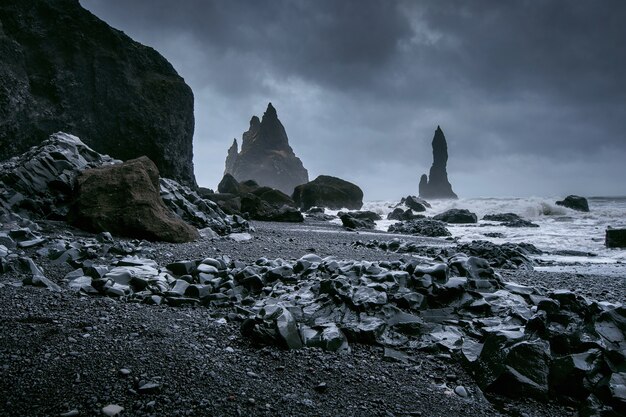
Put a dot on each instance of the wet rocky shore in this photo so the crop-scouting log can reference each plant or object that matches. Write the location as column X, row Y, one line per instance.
column 69, row 352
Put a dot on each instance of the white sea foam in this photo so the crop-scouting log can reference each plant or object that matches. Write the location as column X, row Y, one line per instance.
column 559, row 228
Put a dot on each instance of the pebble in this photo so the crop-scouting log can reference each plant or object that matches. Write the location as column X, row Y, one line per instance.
column 71, row 413
column 461, row 391
column 124, row 372
column 112, row 410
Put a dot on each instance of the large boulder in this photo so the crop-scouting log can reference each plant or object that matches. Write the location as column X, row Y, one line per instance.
column 421, row 227
column 436, row 185
column 415, row 203
column 266, row 156
column 124, row 199
column 615, row 238
column 574, row 202
column 330, row 192
column 63, row 69
column 457, row 216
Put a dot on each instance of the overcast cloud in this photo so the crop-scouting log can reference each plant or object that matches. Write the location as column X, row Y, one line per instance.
column 530, row 95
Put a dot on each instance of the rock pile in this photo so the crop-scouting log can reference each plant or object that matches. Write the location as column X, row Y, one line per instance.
column 516, row 340
column 252, row 201
column 41, row 183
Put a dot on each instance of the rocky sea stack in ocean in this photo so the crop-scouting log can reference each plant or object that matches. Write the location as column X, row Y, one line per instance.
column 266, row 156
column 63, row 69
column 436, row 185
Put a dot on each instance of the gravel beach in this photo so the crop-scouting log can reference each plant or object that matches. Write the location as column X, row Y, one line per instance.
column 67, row 353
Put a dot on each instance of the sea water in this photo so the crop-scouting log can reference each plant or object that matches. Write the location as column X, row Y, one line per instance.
column 560, row 228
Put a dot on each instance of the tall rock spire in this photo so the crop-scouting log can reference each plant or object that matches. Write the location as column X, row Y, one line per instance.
column 436, row 185
column 266, row 155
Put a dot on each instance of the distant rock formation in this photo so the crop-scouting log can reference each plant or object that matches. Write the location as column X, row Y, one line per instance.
column 266, row 156
column 63, row 69
column 436, row 185
column 330, row 192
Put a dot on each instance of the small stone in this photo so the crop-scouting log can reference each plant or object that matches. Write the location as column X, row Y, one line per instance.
column 124, row 372
column 229, row 349
column 251, row 401
column 148, row 387
column 112, row 410
column 71, row 413
column 461, row 391
column 321, row 387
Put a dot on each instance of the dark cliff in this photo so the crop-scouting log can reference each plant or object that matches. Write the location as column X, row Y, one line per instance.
column 266, row 156
column 62, row 68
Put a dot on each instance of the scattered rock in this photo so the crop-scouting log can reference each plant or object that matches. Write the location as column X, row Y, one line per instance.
column 112, row 410
column 615, row 238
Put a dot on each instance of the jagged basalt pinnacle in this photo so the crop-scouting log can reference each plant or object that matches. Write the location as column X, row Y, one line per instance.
column 266, row 156
column 436, row 185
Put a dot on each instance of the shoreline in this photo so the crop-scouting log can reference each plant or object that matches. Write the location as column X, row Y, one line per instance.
column 64, row 351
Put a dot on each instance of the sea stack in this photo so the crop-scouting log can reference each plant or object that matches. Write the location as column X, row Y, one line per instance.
column 266, row 156
column 436, row 185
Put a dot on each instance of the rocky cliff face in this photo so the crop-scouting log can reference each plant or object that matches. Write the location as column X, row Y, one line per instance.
column 64, row 69
column 266, row 156
column 436, row 185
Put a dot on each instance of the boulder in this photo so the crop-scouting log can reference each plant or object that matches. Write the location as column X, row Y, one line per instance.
column 228, row 184
column 330, row 192
column 421, row 227
column 615, row 238
column 415, row 203
column 457, row 216
column 363, row 215
column 63, row 69
column 436, row 185
column 501, row 217
column 124, row 199
column 574, row 202
column 351, row 222
column 266, row 156
column 399, row 214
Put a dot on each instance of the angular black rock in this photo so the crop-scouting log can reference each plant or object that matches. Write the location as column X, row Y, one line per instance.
column 457, row 216
column 615, row 238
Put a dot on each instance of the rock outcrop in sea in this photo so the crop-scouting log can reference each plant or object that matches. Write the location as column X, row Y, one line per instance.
column 436, row 185
column 266, row 156
column 574, row 202
column 63, row 69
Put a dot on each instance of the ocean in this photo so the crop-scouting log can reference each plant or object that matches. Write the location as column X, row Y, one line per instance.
column 560, row 229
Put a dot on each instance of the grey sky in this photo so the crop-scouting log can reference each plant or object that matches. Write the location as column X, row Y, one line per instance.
column 531, row 95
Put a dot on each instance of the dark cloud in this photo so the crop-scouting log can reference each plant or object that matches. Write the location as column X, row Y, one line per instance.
column 530, row 94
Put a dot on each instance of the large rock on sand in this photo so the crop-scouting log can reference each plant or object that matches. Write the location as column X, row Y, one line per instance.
column 330, row 192
column 63, row 69
column 124, row 199
column 266, row 156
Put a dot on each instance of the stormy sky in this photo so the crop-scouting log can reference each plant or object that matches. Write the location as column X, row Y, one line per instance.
column 531, row 95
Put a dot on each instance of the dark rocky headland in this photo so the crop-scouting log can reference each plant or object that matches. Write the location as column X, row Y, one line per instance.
column 126, row 290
